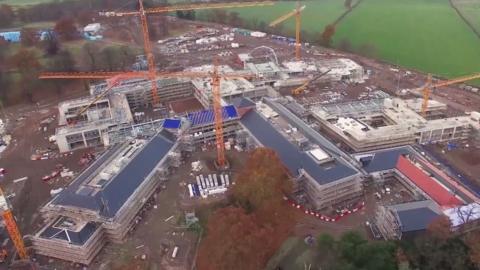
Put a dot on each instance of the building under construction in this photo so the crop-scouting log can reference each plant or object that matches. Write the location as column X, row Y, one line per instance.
column 102, row 203
column 390, row 122
column 318, row 167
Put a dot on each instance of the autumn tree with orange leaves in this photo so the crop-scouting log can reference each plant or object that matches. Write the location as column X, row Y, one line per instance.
column 246, row 234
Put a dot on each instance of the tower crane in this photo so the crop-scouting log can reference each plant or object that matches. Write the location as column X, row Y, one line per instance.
column 12, row 227
column 298, row 20
column 427, row 88
column 142, row 13
column 152, row 74
column 215, row 75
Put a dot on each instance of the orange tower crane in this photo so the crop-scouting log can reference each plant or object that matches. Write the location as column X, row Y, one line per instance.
column 12, row 227
column 427, row 88
column 142, row 12
column 297, row 12
column 215, row 75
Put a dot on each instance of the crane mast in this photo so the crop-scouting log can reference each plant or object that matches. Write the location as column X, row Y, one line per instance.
column 12, row 227
column 148, row 52
column 427, row 88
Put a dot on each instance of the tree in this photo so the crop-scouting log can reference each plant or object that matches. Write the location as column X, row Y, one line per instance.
column 63, row 61
column 234, row 241
column 348, row 4
column 265, row 180
column 326, row 246
column 326, row 37
column 84, row 17
column 29, row 37
column 25, row 61
column 368, row 50
column 473, row 242
column 116, row 57
column 90, row 51
column 345, row 45
column 66, row 29
column 354, row 252
column 6, row 15
column 234, row 19
column 51, row 44
column 246, row 235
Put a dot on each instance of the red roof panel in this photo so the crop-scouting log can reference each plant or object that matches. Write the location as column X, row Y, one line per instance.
column 436, row 191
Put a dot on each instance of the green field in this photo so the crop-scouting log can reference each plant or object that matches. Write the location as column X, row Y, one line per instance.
column 471, row 10
column 318, row 14
column 422, row 34
column 24, row 2
column 427, row 35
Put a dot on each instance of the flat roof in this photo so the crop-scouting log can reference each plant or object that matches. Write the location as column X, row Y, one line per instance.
column 382, row 160
column 291, row 156
column 416, row 216
column 119, row 189
column 437, row 192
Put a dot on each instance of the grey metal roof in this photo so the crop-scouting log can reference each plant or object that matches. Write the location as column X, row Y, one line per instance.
column 109, row 200
column 76, row 238
column 384, row 159
column 416, row 216
column 291, row 156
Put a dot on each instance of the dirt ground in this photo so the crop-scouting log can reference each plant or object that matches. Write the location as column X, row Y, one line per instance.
column 466, row 160
column 162, row 225
column 27, row 137
column 186, row 105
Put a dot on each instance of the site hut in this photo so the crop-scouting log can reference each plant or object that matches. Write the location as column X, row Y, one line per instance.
column 386, row 122
column 89, row 129
column 102, row 203
column 326, row 178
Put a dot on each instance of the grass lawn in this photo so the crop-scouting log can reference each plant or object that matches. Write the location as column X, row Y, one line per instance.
column 471, row 10
column 316, row 16
column 293, row 254
column 424, row 34
column 24, row 2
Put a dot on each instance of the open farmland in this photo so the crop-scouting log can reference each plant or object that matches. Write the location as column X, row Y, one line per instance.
column 318, row 14
column 426, row 35
column 470, row 10
column 24, row 2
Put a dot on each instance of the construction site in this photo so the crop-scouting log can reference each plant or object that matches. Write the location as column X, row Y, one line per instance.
column 159, row 144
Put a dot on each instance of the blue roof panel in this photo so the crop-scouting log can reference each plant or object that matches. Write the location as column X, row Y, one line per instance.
column 208, row 116
column 172, row 123
column 291, row 156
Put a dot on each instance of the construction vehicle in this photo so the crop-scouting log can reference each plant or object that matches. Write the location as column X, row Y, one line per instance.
column 12, row 228
column 298, row 21
column 429, row 86
column 299, row 90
